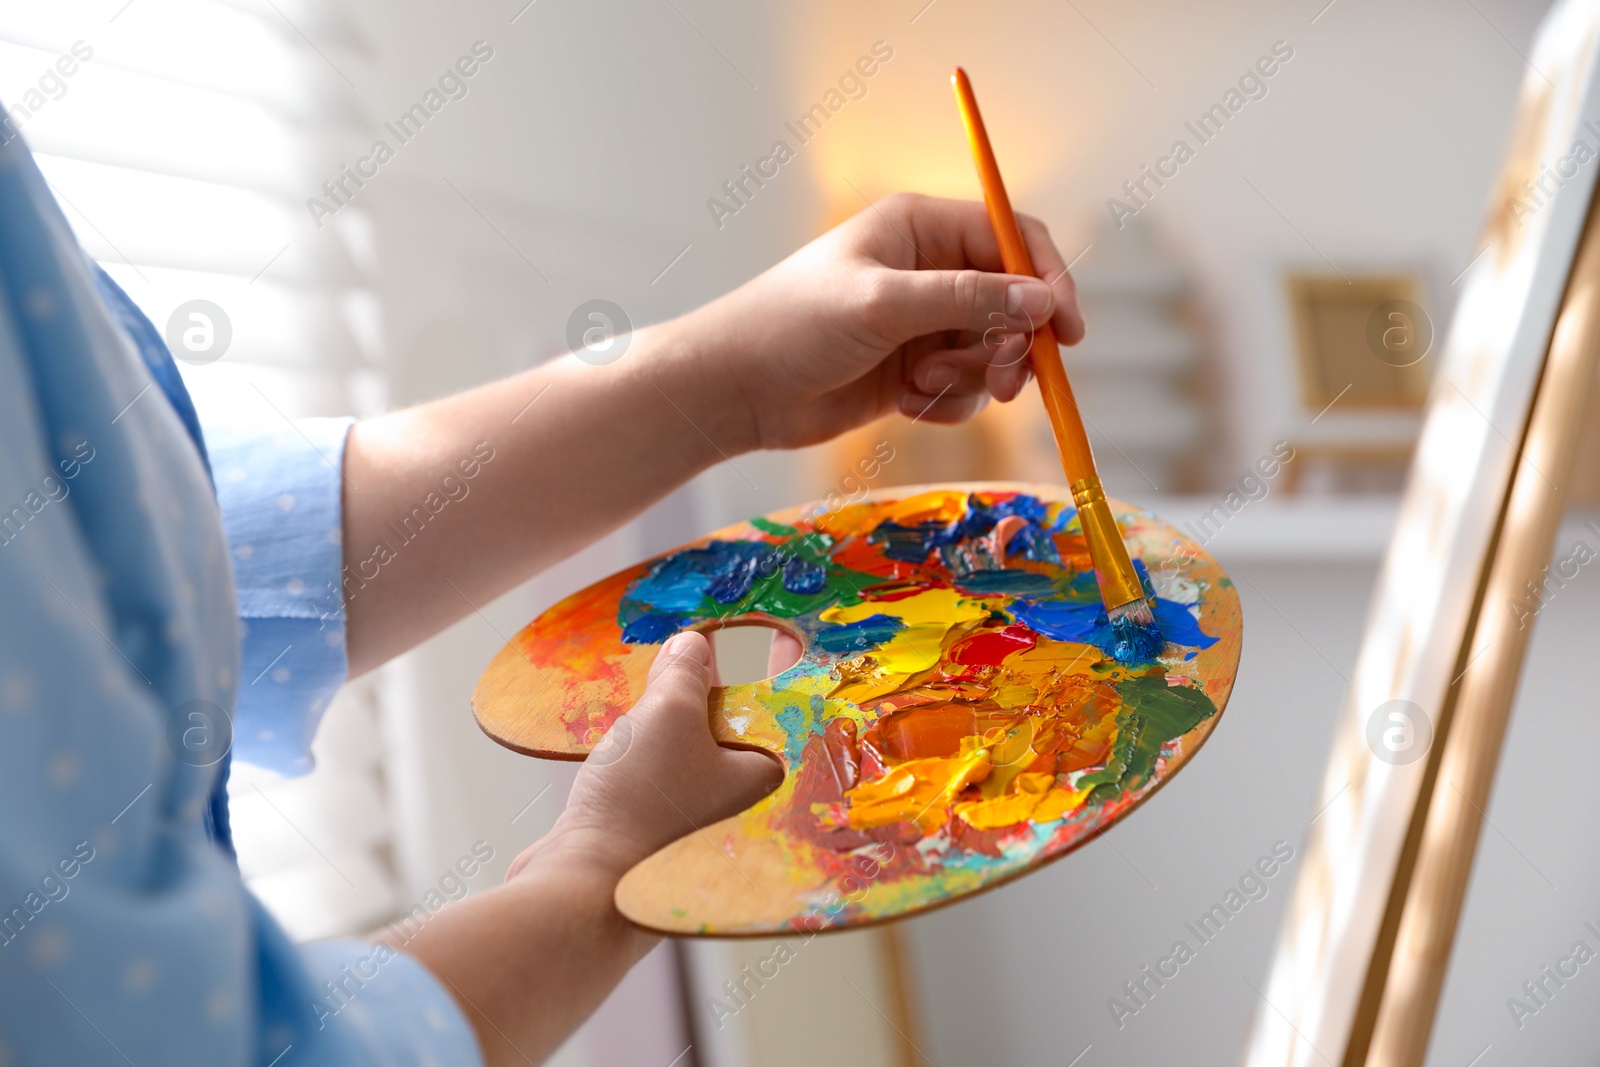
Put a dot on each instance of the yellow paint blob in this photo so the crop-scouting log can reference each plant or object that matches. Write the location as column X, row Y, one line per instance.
column 918, row 790
column 1011, row 752
column 933, row 618
column 1035, row 797
column 863, row 680
column 1059, row 802
column 941, row 506
column 1061, row 659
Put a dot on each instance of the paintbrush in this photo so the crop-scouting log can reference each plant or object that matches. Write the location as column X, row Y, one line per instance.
column 1135, row 637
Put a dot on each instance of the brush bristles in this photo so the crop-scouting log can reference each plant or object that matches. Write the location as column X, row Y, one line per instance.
column 1135, row 611
column 1134, row 632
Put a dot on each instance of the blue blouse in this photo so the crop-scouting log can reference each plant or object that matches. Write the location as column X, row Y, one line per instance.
column 126, row 584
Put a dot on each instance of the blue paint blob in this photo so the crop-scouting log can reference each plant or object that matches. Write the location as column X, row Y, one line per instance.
column 861, row 636
column 1179, row 626
column 1065, row 620
column 906, row 544
column 803, row 577
column 1087, row 623
column 1132, row 642
column 651, row 629
column 681, row 583
column 740, row 576
column 710, row 580
column 912, row 544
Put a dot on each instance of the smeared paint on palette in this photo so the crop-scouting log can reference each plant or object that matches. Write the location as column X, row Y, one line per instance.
column 953, row 722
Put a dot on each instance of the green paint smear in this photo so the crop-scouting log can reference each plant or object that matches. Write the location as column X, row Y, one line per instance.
column 769, row 597
column 1153, row 714
column 767, row 594
column 776, row 529
column 1080, row 588
column 1105, row 781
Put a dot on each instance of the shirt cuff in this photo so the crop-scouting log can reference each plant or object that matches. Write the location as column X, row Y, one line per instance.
column 388, row 1004
column 280, row 491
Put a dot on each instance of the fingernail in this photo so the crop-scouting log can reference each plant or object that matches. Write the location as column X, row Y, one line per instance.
column 937, row 378
column 684, row 643
column 1032, row 300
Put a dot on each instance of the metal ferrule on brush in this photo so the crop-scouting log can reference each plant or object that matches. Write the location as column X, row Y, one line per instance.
column 1113, row 567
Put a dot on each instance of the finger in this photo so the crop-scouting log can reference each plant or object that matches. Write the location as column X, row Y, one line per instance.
column 998, row 365
column 1049, row 265
column 935, row 232
column 942, row 410
column 679, row 677
column 903, row 304
column 673, row 709
column 1007, row 381
column 782, row 653
column 957, row 233
column 690, row 643
column 744, row 777
column 958, row 371
column 1009, row 367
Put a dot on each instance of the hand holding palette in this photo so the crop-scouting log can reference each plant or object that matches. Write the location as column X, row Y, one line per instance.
column 956, row 718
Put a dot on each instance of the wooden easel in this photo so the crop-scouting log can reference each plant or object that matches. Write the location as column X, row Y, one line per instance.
column 1360, row 963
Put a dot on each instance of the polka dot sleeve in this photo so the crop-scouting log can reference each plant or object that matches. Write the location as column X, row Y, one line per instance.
column 280, row 490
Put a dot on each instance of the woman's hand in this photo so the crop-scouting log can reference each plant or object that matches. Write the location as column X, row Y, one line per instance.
column 657, row 775
column 531, row 959
column 898, row 308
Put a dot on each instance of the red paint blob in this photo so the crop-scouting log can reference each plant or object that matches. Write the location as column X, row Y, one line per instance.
column 989, row 649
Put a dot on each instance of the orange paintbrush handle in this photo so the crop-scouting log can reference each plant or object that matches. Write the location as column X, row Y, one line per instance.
column 1076, row 458
column 1119, row 580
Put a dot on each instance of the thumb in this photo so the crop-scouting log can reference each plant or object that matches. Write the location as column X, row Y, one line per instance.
column 910, row 303
column 680, row 675
column 687, row 648
column 673, row 713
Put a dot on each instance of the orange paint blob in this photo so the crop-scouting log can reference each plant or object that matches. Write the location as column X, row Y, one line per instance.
column 919, row 790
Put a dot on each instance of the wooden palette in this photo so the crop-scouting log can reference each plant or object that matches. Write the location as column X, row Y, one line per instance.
column 951, row 724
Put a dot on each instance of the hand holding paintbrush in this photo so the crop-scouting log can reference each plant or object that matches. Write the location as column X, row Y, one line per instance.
column 1133, row 624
